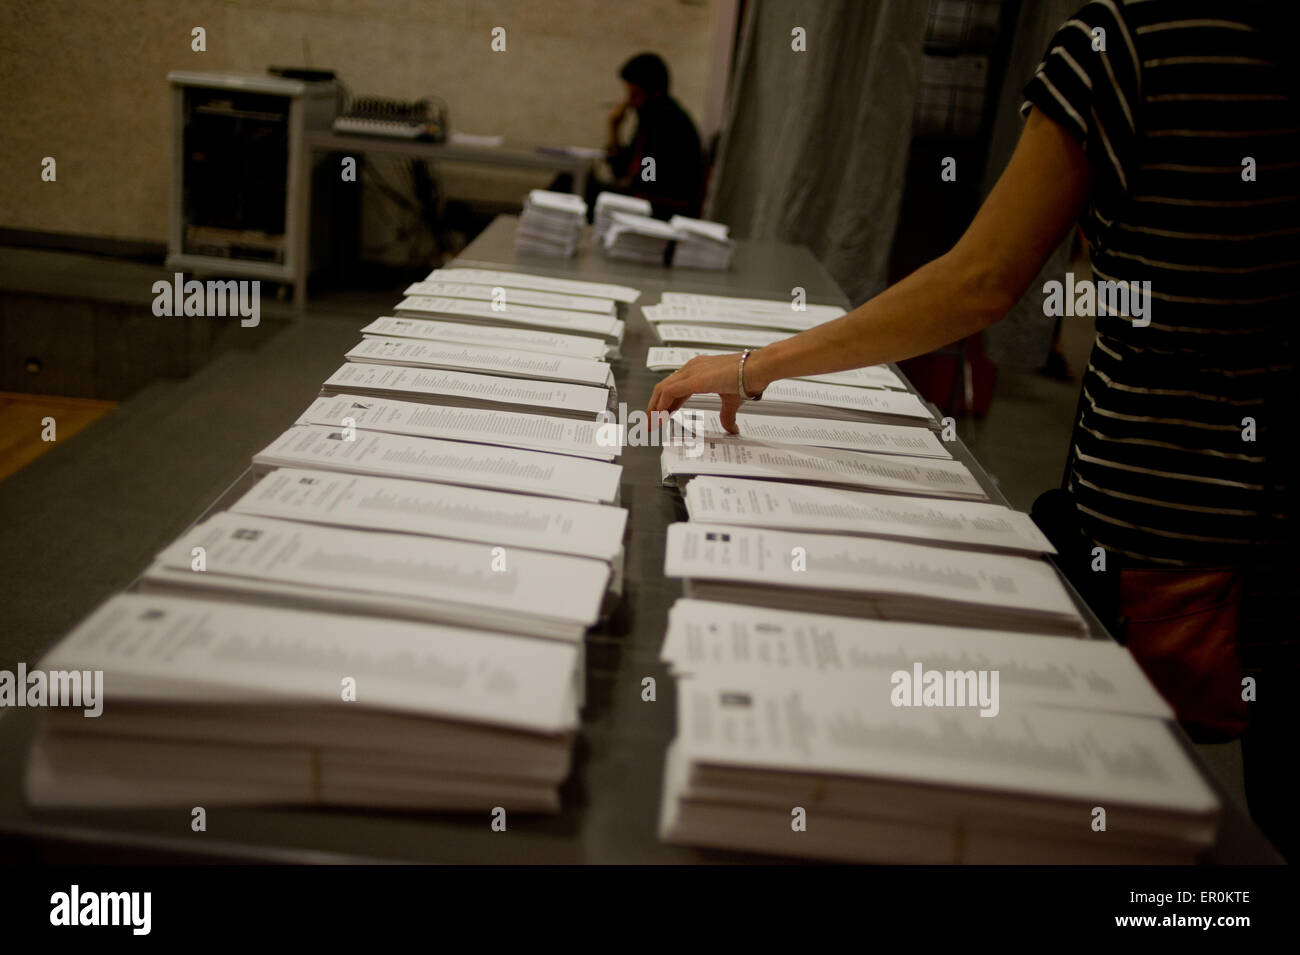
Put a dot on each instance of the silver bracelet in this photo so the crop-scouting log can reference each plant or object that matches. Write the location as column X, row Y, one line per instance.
column 740, row 376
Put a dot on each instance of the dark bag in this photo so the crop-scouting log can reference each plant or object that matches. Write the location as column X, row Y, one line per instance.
column 1183, row 627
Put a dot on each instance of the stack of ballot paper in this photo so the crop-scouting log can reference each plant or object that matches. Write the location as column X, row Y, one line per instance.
column 476, row 425
column 433, row 537
column 505, row 362
column 701, row 244
column 973, row 525
column 639, row 238
column 873, row 376
column 607, row 203
column 467, row 311
column 727, row 338
column 463, row 583
column 500, row 296
column 623, row 294
column 815, row 399
column 788, row 321
column 742, row 457
column 459, row 389
column 733, row 305
column 386, row 454
column 438, row 510
column 550, row 224
column 869, row 577
column 850, row 740
column 498, row 518
column 812, row 432
column 219, row 703
column 522, row 339
column 725, row 323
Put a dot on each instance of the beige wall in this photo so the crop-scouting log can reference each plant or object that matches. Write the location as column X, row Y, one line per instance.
column 84, row 81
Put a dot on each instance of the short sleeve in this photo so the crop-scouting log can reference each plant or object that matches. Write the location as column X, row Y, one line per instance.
column 1089, row 83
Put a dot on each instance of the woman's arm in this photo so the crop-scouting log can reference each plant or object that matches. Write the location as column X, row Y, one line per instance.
column 1039, row 196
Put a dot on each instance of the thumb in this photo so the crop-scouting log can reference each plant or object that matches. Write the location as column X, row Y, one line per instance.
column 730, row 405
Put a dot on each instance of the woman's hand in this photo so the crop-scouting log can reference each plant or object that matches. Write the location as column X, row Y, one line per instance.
column 706, row 374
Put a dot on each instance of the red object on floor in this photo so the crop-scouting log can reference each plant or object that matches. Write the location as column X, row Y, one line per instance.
column 958, row 379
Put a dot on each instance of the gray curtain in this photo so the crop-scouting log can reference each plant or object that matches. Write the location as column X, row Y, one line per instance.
column 1020, row 341
column 816, row 143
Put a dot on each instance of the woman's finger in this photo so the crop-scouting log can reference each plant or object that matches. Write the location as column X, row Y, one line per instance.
column 730, row 405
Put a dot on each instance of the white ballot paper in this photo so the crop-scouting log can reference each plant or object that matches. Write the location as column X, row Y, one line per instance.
column 728, row 303
column 744, row 458
column 714, row 336
column 507, row 363
column 620, row 293
column 787, row 321
column 514, row 296
column 521, row 339
column 478, row 425
column 605, row 327
column 401, row 575
column 228, row 704
column 438, row 510
column 804, row 507
column 154, row 647
column 858, row 576
column 447, row 462
column 736, row 641
column 874, row 376
column 1036, row 762
column 811, row 399
column 461, row 389
column 817, row 433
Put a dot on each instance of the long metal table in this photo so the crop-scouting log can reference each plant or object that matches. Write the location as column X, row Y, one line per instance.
column 610, row 803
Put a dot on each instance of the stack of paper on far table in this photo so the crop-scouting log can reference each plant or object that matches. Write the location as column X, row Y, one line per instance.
column 550, row 224
column 607, row 203
column 843, row 739
column 214, row 703
column 639, row 238
column 701, row 244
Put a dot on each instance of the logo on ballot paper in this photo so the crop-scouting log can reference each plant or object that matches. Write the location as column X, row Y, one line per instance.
column 946, row 688
column 211, row 299
column 71, row 688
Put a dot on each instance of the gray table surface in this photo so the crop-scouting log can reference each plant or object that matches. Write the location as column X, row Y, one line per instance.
column 610, row 803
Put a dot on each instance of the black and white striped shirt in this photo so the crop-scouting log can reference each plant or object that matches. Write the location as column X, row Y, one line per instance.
column 1188, row 113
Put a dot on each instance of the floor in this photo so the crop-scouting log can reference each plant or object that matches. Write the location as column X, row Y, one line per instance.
column 25, row 432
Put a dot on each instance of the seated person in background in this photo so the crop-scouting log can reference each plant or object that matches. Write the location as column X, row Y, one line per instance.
column 664, row 133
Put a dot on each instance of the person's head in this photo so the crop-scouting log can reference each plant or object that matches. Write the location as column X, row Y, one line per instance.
column 646, row 76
